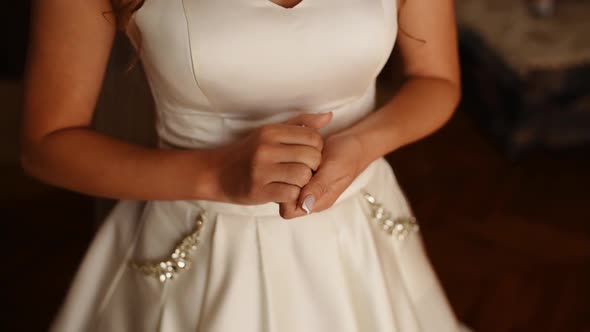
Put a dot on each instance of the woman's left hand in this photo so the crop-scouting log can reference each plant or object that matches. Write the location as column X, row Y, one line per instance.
column 342, row 161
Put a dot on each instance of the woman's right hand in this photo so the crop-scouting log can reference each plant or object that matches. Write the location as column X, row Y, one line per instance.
column 273, row 162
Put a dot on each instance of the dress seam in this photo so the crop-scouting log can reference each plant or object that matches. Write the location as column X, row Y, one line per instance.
column 382, row 274
column 210, row 238
column 349, row 292
column 191, row 53
column 122, row 267
column 266, row 300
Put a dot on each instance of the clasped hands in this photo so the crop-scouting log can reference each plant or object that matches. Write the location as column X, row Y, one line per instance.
column 290, row 164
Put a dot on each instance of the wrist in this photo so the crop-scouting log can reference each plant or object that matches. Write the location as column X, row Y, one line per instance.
column 362, row 155
column 368, row 153
column 205, row 183
column 368, row 149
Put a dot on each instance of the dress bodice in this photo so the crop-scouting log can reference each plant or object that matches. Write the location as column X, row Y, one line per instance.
column 220, row 68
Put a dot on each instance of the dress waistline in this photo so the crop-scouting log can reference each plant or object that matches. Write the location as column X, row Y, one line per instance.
column 272, row 209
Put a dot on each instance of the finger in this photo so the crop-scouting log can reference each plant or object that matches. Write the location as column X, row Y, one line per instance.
column 315, row 121
column 302, row 154
column 280, row 192
column 289, row 210
column 294, row 135
column 290, row 173
column 318, row 187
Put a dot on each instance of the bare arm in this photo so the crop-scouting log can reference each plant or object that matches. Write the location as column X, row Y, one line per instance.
column 425, row 101
column 431, row 90
column 70, row 46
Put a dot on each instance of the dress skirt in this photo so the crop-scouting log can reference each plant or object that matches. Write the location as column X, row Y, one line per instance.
column 217, row 267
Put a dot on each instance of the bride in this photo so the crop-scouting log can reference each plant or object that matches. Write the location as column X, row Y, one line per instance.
column 268, row 205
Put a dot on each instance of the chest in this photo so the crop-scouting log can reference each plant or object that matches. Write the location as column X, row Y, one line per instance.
column 259, row 54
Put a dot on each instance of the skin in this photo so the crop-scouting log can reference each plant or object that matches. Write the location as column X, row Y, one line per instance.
column 286, row 3
column 69, row 49
column 430, row 68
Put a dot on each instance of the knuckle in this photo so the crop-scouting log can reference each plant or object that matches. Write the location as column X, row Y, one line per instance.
column 283, row 210
column 317, row 140
column 311, row 136
column 255, row 179
column 260, row 154
column 320, row 144
column 254, row 182
column 321, row 188
column 287, row 210
column 292, row 193
column 262, row 132
column 303, row 174
column 267, row 133
column 287, row 214
column 316, row 160
column 252, row 192
column 258, row 178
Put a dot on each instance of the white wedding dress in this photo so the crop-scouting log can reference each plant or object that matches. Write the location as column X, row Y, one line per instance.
column 218, row 69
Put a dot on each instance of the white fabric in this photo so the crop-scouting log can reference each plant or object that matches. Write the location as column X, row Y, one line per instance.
column 219, row 68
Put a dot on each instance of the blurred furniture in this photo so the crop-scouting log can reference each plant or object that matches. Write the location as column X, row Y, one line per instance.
column 542, row 8
column 527, row 80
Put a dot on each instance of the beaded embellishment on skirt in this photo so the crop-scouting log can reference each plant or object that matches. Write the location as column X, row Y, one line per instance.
column 180, row 258
column 400, row 226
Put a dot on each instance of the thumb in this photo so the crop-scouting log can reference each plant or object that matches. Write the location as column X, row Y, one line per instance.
column 312, row 120
column 313, row 192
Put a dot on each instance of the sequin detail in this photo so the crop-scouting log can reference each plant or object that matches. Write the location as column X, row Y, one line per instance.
column 180, row 258
column 401, row 227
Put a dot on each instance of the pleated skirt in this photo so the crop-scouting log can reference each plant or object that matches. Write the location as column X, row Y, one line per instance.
column 217, row 267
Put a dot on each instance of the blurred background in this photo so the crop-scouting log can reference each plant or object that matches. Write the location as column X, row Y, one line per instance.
column 502, row 191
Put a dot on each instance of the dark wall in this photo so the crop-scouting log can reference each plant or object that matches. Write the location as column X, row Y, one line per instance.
column 14, row 27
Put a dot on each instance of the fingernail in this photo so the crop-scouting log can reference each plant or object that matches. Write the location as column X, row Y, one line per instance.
column 308, row 203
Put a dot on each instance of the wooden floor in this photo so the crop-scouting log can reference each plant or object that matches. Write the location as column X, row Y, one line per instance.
column 509, row 239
